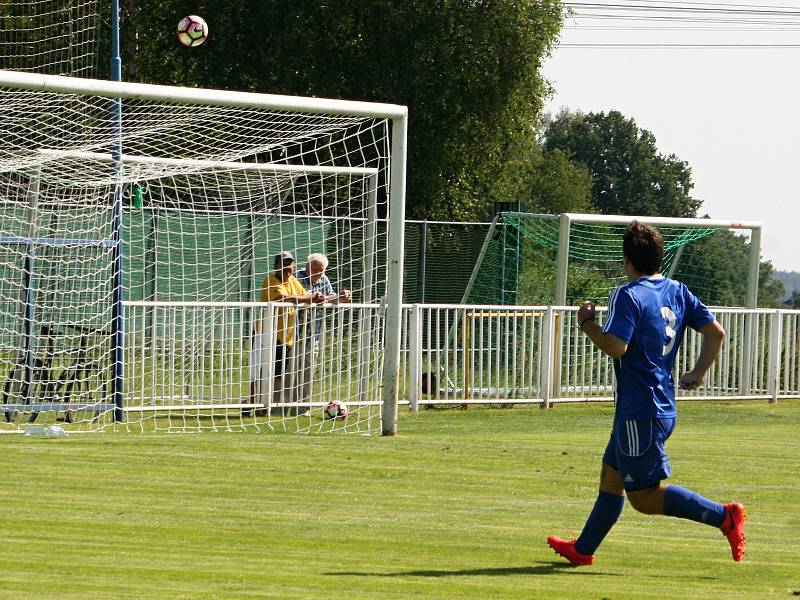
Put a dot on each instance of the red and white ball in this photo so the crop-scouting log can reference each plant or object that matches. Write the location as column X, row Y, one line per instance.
column 192, row 30
column 335, row 410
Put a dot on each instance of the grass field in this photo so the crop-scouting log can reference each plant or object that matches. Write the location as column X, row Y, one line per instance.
column 458, row 505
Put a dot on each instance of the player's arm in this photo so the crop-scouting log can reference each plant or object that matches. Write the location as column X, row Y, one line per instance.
column 712, row 336
column 606, row 342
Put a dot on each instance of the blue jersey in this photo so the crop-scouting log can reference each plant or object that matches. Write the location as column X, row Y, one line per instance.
column 650, row 315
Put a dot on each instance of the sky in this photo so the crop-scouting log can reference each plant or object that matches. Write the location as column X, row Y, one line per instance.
column 718, row 85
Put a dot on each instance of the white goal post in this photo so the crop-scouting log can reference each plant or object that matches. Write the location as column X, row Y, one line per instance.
column 316, row 157
column 567, row 220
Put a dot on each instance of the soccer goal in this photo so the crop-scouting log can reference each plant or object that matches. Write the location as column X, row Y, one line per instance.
column 562, row 260
column 535, row 259
column 133, row 252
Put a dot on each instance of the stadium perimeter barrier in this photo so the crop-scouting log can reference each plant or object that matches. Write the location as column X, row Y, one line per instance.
column 474, row 354
column 450, row 354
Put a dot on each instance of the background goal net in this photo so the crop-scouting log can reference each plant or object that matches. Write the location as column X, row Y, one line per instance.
column 519, row 262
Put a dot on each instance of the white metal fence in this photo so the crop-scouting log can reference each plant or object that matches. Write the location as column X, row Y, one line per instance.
column 192, row 365
column 201, row 355
column 536, row 354
column 190, row 355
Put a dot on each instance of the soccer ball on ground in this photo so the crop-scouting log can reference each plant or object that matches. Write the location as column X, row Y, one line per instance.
column 335, row 410
column 192, row 30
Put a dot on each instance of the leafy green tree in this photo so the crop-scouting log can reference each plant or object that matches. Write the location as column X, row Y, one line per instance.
column 544, row 182
column 559, row 185
column 794, row 300
column 629, row 175
column 790, row 280
column 770, row 288
column 468, row 71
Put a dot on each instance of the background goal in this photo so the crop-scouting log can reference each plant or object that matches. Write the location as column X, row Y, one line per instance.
column 531, row 259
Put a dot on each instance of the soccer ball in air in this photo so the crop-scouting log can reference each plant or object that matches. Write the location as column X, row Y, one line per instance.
column 335, row 410
column 192, row 30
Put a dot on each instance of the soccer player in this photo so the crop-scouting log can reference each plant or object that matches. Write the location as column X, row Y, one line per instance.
column 644, row 327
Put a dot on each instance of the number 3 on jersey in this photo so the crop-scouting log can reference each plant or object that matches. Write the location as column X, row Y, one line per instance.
column 669, row 328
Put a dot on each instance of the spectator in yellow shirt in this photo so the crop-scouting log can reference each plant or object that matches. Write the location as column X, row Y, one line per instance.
column 283, row 286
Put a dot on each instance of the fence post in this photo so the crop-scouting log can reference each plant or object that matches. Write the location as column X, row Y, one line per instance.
column 546, row 357
column 415, row 356
column 423, row 252
column 746, row 383
column 265, row 367
column 774, row 371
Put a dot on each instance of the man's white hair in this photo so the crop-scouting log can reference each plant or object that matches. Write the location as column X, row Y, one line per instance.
column 318, row 257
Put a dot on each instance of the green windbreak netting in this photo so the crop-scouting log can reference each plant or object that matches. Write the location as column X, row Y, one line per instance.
column 439, row 259
column 519, row 262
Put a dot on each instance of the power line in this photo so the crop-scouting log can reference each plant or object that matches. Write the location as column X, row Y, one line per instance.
column 687, row 8
column 681, row 16
column 687, row 46
column 792, row 27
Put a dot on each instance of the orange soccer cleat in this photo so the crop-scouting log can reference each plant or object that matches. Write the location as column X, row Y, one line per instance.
column 733, row 528
column 566, row 548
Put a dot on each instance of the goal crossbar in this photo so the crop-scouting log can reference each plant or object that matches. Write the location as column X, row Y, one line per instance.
column 567, row 219
column 185, row 95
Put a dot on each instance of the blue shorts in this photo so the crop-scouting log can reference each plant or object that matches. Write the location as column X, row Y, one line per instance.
column 636, row 450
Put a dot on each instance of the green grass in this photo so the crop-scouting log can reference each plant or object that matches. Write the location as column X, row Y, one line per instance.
column 458, row 505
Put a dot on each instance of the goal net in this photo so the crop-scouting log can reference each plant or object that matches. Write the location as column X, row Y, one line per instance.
column 531, row 259
column 57, row 37
column 128, row 280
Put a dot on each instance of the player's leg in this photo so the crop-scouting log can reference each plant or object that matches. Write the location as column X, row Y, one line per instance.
column 644, row 464
column 606, row 511
column 677, row 501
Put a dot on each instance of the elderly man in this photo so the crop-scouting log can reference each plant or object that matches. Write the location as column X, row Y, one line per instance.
column 314, row 281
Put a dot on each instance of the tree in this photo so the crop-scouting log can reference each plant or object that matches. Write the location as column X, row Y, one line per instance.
column 559, row 185
column 544, row 182
column 794, row 300
column 770, row 288
column 467, row 69
column 629, row 175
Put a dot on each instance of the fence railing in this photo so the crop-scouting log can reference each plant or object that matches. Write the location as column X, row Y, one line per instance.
column 206, row 355
column 200, row 356
column 195, row 365
column 536, row 354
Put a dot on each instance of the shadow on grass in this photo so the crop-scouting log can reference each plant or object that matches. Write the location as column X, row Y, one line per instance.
column 538, row 569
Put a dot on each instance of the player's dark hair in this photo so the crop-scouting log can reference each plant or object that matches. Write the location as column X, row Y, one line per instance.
column 643, row 245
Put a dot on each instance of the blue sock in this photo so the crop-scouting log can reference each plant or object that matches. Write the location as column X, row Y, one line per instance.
column 683, row 503
column 606, row 511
